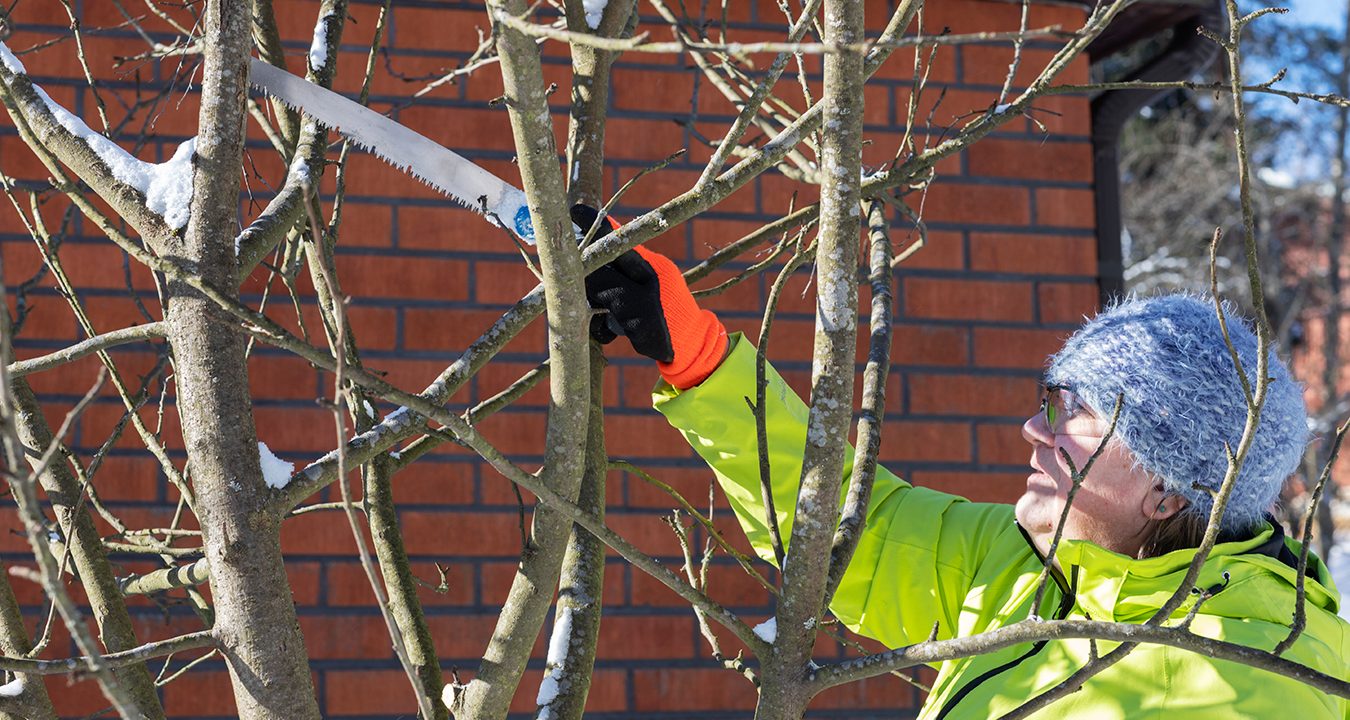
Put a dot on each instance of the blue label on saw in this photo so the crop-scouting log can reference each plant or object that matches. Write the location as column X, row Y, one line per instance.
column 524, row 228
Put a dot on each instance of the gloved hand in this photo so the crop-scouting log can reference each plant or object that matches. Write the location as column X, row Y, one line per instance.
column 646, row 299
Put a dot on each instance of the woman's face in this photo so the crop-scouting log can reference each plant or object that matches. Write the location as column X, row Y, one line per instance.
column 1115, row 505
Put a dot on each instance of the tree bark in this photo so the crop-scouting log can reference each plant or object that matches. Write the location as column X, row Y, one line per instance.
column 489, row 694
column 256, row 626
column 783, row 691
column 583, row 574
column 86, row 550
column 37, row 705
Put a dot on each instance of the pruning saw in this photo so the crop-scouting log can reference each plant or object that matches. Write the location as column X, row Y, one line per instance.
column 409, row 151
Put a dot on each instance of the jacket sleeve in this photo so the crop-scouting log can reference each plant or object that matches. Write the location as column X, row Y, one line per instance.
column 920, row 549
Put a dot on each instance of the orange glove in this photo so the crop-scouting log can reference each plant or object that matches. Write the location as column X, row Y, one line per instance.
column 647, row 300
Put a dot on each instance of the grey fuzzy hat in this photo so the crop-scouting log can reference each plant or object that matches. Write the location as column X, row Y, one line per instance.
column 1183, row 399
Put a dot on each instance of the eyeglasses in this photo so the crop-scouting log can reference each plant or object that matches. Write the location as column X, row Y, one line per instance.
column 1059, row 404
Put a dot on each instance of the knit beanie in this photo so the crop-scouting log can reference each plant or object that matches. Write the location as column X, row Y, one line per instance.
column 1183, row 400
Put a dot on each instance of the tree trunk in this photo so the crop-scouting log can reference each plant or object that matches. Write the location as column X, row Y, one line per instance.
column 783, row 692
column 89, row 560
column 256, row 626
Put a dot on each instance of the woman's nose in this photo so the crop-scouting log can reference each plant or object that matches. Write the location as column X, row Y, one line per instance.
column 1036, row 432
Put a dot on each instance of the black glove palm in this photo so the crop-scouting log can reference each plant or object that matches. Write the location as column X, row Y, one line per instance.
column 628, row 292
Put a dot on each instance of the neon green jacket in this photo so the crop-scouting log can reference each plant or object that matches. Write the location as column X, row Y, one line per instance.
column 927, row 557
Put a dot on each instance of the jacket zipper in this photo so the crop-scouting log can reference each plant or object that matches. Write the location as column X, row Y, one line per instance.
column 1066, row 604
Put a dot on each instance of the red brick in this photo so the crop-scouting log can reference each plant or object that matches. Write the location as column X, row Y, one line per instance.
column 304, row 581
column 296, row 431
column 386, row 277
column 98, row 420
column 883, row 691
column 927, row 441
column 1015, row 347
column 740, row 296
column 1002, row 444
column 692, row 483
column 100, row 265
column 647, row 637
column 119, row 311
column 502, row 283
column 1067, row 17
column 635, row 89
column 646, row 532
column 49, row 318
column 436, row 29
column 967, row 299
column 283, row 376
column 365, row 225
column 434, row 483
column 412, row 375
column 779, row 194
column 1066, row 302
column 978, row 395
column 938, row 109
column 1065, row 207
column 996, row 157
column 977, row 486
column 727, row 584
column 428, row 533
column 515, row 433
column 1033, row 254
column 659, row 187
column 128, row 478
column 1063, row 114
column 466, row 636
column 692, row 689
column 196, row 692
column 348, row 585
column 485, row 86
column 449, row 226
column 643, row 436
column 646, row 139
column 988, row 65
column 368, row 176
column 928, row 345
column 318, row 533
column 940, row 67
column 368, row 692
column 976, row 204
column 876, row 104
column 455, row 330
column 347, row 637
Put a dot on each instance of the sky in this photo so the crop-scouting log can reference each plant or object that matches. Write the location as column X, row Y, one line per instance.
column 1324, row 12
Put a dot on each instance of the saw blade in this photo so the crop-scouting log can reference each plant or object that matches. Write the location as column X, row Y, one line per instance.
column 409, row 151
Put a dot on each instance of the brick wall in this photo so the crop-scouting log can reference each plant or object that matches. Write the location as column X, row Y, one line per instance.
column 1008, row 271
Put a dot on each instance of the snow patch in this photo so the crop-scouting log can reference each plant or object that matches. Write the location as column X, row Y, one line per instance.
column 318, row 50
column 1277, row 178
column 558, row 646
column 276, row 472
column 767, row 630
column 595, row 9
column 167, row 186
column 10, row 61
column 370, row 411
column 12, row 689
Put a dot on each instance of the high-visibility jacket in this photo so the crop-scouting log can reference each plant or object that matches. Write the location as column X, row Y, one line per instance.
column 929, row 558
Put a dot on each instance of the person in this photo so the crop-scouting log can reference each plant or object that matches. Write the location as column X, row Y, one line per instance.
column 930, row 562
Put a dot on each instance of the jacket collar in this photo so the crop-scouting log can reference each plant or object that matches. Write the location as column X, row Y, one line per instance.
column 1112, row 586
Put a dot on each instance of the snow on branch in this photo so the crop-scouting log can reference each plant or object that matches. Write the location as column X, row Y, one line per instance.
column 165, row 188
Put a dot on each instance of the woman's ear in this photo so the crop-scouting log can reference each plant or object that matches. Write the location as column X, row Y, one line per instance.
column 1158, row 504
